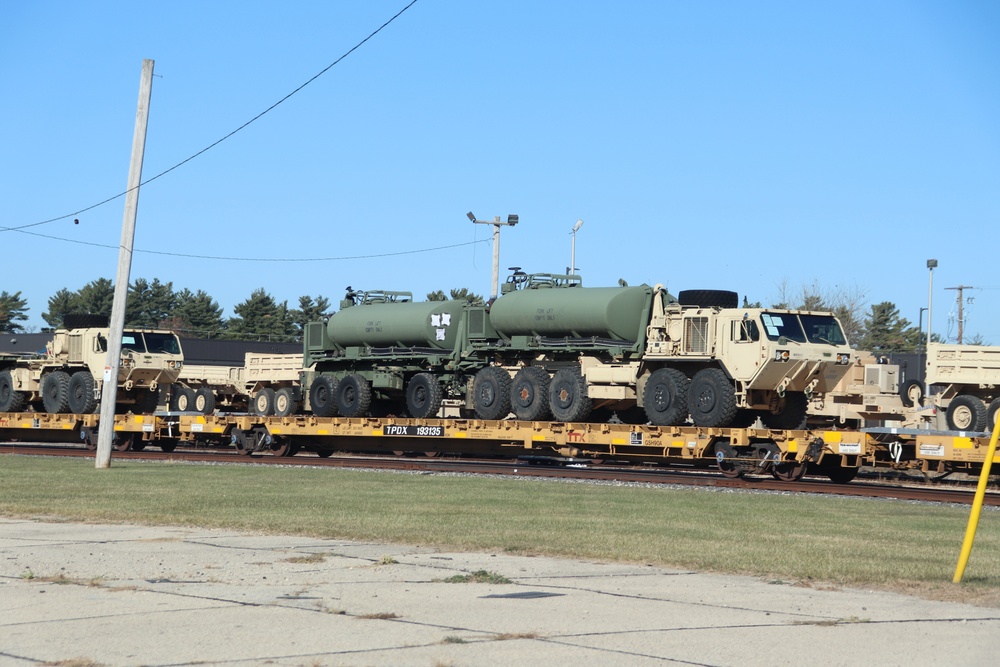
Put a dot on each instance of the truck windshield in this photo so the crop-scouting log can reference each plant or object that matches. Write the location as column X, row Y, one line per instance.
column 802, row 328
column 161, row 343
column 782, row 325
column 132, row 340
column 823, row 329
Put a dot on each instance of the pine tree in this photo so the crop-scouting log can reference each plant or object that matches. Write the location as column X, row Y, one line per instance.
column 309, row 311
column 61, row 304
column 886, row 332
column 13, row 309
column 196, row 315
column 260, row 317
column 149, row 304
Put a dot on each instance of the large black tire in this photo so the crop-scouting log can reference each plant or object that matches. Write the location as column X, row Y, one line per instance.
column 81, row 400
column 263, row 402
column 146, row 402
column 711, row 398
column 665, row 397
column 912, row 393
column 568, row 398
column 285, row 403
column 708, row 298
column 11, row 400
column 423, row 396
column 204, row 401
column 85, row 321
column 491, row 393
column 967, row 413
column 791, row 414
column 991, row 414
column 182, row 399
column 529, row 394
column 354, row 396
column 55, row 392
column 323, row 396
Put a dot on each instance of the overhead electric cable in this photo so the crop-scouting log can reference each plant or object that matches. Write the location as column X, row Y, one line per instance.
column 214, row 144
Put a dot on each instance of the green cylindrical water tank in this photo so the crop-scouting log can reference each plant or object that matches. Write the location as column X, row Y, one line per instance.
column 422, row 324
column 575, row 312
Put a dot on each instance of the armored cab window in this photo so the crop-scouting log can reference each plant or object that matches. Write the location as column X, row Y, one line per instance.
column 161, row 343
column 102, row 343
column 132, row 341
column 783, row 325
column 746, row 331
column 823, row 329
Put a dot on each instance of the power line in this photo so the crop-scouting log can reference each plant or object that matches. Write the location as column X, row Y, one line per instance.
column 210, row 146
column 266, row 259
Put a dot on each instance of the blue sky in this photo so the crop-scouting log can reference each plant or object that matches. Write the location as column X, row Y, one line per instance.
column 759, row 147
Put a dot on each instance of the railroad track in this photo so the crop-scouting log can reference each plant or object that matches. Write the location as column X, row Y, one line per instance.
column 694, row 477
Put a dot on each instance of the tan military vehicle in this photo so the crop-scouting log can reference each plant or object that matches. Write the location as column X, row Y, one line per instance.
column 266, row 384
column 69, row 375
column 965, row 382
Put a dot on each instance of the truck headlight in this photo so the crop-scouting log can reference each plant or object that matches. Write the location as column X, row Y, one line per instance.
column 781, row 355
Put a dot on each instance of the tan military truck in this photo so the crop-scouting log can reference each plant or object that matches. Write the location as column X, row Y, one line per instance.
column 69, row 375
column 869, row 395
column 266, row 384
column 964, row 382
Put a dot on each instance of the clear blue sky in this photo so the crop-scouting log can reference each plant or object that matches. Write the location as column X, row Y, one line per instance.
column 718, row 145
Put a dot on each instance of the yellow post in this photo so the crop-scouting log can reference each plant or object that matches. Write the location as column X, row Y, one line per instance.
column 977, row 506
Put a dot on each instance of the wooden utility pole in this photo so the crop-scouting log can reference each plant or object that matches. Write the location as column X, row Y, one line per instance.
column 109, row 388
column 961, row 318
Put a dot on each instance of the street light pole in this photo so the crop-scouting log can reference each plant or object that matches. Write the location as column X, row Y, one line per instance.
column 931, row 265
column 496, row 222
column 572, row 257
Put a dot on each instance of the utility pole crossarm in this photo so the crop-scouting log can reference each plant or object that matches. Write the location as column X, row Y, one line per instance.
column 512, row 220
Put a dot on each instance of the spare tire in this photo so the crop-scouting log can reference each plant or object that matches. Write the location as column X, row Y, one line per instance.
column 85, row 321
column 708, row 298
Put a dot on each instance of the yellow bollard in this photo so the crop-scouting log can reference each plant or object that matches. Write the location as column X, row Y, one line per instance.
column 977, row 506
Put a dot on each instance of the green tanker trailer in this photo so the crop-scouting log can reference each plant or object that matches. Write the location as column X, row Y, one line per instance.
column 569, row 350
column 384, row 353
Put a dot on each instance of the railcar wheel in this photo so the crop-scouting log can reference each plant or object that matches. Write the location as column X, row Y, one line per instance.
column 568, row 398
column 81, row 399
column 790, row 412
column 725, row 460
column 529, row 394
column 354, row 396
column 123, row 442
column 789, row 471
column 491, row 393
column 324, row 453
column 184, row 399
column 11, row 400
column 711, row 398
column 285, row 403
column 323, row 396
column 967, row 413
column 841, row 475
column 55, row 392
column 167, row 445
column 283, row 447
column 204, row 401
column 665, row 397
column 912, row 393
column 263, row 402
column 423, row 396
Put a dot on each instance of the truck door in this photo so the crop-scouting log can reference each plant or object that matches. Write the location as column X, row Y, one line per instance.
column 741, row 347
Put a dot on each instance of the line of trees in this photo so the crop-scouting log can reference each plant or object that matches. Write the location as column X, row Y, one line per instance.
column 878, row 328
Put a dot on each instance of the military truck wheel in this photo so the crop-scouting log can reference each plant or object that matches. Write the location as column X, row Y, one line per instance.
column 354, row 396
column 204, row 401
column 285, row 403
column 183, row 399
column 711, row 398
column 11, row 400
column 790, row 414
column 708, row 298
column 991, row 414
column 81, row 399
column 55, row 392
column 912, row 393
column 323, row 396
column 529, row 394
column 967, row 413
column 568, row 398
column 491, row 393
column 423, row 396
column 146, row 401
column 665, row 397
column 263, row 402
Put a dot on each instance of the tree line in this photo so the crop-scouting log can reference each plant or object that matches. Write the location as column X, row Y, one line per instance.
column 878, row 328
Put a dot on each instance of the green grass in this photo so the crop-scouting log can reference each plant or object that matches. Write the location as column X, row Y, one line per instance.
column 788, row 539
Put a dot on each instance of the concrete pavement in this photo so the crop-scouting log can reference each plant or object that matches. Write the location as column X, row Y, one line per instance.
column 84, row 595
